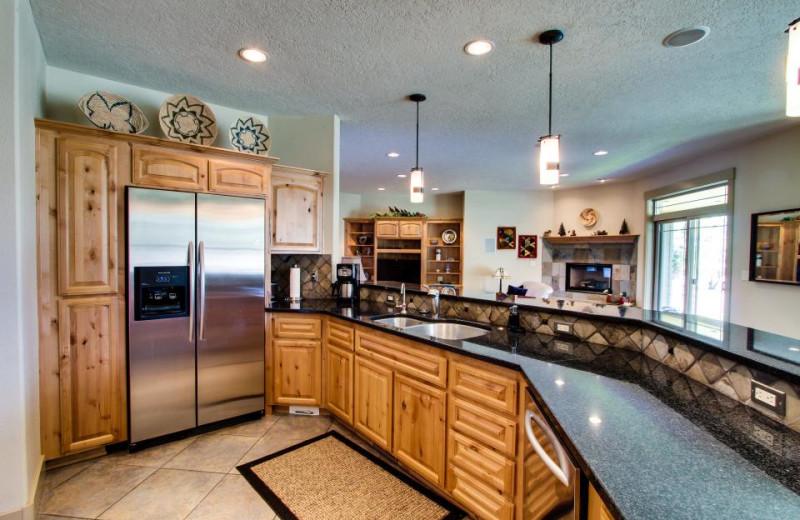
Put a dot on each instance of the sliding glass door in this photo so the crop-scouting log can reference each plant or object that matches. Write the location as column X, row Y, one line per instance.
column 691, row 265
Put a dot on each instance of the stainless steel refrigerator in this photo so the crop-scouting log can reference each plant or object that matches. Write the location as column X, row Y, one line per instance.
column 195, row 309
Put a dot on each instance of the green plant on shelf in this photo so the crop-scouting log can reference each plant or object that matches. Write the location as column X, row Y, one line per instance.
column 397, row 212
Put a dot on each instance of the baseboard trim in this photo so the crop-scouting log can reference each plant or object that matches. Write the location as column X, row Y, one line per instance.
column 31, row 508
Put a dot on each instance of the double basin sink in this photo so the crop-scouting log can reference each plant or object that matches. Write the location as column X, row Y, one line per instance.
column 446, row 330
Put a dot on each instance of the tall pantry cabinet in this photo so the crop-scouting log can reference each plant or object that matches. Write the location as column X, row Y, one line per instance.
column 81, row 174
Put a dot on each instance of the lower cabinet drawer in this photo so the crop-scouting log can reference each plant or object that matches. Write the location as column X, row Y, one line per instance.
column 491, row 428
column 297, row 327
column 479, row 499
column 490, row 467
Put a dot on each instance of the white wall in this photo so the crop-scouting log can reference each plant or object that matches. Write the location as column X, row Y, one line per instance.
column 21, row 86
column 313, row 142
column 446, row 205
column 612, row 202
column 65, row 87
column 530, row 211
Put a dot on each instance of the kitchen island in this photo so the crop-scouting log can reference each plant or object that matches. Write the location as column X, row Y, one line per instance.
column 654, row 442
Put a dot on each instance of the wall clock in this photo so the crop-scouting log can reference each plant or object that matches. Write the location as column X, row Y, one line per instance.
column 588, row 217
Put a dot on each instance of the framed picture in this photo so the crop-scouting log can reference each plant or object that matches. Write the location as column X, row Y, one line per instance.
column 527, row 246
column 506, row 237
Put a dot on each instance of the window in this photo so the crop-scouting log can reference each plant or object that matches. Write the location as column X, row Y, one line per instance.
column 692, row 236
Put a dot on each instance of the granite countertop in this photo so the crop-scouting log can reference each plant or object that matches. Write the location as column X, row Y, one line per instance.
column 772, row 353
column 667, row 447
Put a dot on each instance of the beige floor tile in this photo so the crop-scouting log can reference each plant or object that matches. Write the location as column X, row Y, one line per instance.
column 300, row 427
column 168, row 494
column 56, row 477
column 233, row 499
column 266, row 445
column 154, row 457
column 93, row 490
column 216, row 453
column 255, row 428
column 53, row 517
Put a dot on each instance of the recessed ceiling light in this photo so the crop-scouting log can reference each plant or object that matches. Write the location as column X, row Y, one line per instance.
column 402, row 175
column 381, row 189
column 392, row 154
column 563, row 175
column 595, row 419
column 600, row 153
column 434, row 189
column 253, row 55
column 601, row 180
column 687, row 36
column 478, row 47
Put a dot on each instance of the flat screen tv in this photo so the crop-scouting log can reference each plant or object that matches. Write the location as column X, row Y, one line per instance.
column 399, row 270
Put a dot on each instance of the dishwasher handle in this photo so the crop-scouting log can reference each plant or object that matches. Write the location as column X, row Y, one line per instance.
column 560, row 470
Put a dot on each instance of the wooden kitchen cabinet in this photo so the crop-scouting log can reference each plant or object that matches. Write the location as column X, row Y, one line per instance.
column 296, row 222
column 597, row 508
column 411, row 229
column 419, row 427
column 297, row 372
column 88, row 193
column 156, row 167
column 238, row 177
column 89, row 369
column 372, row 410
column 339, row 382
column 387, row 229
column 297, row 327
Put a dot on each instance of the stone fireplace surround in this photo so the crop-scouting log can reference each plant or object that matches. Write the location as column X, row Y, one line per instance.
column 622, row 258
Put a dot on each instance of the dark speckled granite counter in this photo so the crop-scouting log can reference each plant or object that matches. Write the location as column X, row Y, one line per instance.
column 666, row 447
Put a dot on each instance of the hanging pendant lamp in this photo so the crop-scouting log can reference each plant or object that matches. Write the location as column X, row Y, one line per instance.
column 793, row 70
column 549, row 153
column 417, row 177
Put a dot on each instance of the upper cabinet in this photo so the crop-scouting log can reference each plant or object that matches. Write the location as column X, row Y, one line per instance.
column 296, row 210
column 237, row 177
column 88, row 189
column 412, row 229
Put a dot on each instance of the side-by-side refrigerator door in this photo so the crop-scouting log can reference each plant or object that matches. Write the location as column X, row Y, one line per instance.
column 230, row 307
column 161, row 344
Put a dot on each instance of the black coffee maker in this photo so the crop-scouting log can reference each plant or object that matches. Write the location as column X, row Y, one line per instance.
column 347, row 284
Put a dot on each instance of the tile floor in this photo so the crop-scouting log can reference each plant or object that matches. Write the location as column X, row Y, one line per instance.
column 192, row 479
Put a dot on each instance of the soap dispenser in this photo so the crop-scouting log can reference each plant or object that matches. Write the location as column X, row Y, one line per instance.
column 513, row 319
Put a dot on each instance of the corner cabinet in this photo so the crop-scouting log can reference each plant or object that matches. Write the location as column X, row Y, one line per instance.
column 81, row 175
column 296, row 225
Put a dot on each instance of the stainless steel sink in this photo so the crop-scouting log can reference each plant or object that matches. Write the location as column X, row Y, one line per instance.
column 401, row 322
column 452, row 331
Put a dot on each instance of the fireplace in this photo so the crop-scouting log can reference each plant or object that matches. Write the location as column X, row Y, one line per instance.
column 588, row 277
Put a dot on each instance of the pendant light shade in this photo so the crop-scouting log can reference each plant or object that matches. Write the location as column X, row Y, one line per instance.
column 417, row 177
column 549, row 145
column 549, row 159
column 417, row 186
column 793, row 71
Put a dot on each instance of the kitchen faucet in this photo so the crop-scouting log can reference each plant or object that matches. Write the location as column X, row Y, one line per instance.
column 434, row 294
column 403, row 306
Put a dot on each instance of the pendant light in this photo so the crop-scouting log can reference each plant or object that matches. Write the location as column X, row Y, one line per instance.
column 417, row 183
column 549, row 153
column 793, row 70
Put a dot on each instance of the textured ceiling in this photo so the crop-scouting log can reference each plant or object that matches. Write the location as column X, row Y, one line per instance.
column 616, row 86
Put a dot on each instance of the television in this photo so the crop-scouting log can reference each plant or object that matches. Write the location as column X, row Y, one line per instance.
column 401, row 269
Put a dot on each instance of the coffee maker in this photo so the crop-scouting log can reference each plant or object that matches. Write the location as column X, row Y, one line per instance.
column 347, row 284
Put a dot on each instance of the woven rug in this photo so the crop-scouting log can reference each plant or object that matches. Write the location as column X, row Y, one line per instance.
column 331, row 478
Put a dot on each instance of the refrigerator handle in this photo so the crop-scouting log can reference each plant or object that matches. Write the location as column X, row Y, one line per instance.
column 201, row 293
column 191, row 290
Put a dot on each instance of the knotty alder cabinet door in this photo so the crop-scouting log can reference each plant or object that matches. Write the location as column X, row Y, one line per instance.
column 296, row 210
column 159, row 168
column 372, row 414
column 237, row 177
column 339, row 383
column 91, row 414
column 88, row 189
column 419, row 427
column 297, row 372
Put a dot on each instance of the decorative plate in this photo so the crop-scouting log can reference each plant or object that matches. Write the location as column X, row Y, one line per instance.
column 250, row 135
column 449, row 237
column 588, row 217
column 112, row 112
column 187, row 119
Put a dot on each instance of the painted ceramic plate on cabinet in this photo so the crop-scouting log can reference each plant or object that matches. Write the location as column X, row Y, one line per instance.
column 251, row 136
column 112, row 112
column 187, row 119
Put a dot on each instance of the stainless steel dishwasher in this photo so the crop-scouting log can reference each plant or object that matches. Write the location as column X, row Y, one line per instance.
column 552, row 482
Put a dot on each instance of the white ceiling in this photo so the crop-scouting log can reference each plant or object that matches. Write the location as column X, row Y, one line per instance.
column 616, row 86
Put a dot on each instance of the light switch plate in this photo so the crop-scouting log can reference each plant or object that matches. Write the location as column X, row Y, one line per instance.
column 768, row 397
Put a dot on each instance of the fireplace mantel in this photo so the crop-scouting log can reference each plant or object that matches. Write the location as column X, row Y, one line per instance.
column 593, row 239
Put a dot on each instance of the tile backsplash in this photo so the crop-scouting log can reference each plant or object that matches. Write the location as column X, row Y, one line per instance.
column 712, row 370
column 308, row 264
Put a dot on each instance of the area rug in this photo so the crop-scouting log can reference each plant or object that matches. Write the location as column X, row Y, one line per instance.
column 331, row 478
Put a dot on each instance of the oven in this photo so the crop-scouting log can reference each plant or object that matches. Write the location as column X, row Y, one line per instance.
column 551, row 481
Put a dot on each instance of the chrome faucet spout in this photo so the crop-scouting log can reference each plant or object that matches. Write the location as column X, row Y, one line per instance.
column 434, row 294
column 403, row 306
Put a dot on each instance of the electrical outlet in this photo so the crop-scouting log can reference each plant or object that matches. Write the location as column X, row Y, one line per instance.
column 562, row 327
column 768, row 397
column 389, row 298
column 315, row 276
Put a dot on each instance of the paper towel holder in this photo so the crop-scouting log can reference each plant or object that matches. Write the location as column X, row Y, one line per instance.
column 298, row 298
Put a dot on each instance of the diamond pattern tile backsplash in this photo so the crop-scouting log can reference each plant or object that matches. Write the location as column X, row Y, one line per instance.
column 725, row 376
column 307, row 264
